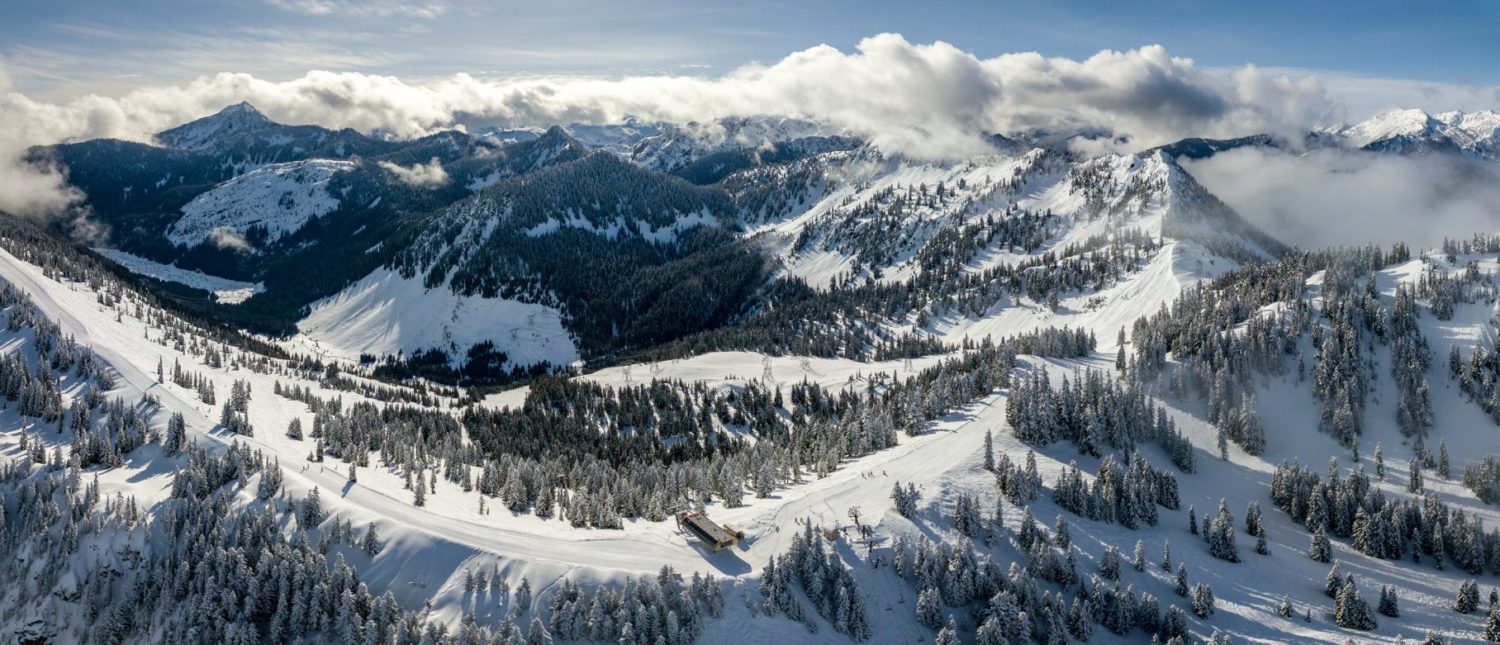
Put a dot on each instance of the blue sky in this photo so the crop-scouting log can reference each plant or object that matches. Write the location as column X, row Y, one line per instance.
column 58, row 49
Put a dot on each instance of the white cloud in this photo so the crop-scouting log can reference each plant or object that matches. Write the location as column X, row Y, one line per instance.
column 1334, row 197
column 1361, row 97
column 226, row 238
column 420, row 175
column 924, row 100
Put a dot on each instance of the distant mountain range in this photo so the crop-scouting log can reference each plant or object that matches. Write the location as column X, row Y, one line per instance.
column 630, row 234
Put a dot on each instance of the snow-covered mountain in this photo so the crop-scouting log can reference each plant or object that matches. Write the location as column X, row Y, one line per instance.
column 233, row 122
column 277, row 199
column 1087, row 374
column 1412, row 131
column 604, row 238
column 848, row 228
column 1022, row 396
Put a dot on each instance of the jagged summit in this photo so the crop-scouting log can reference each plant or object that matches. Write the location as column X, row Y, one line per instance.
column 232, row 121
column 1414, row 131
column 243, row 107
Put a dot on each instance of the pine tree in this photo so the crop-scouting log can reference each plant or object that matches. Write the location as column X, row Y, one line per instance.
column 1334, row 582
column 989, row 451
column 1203, row 601
column 1221, row 535
column 370, row 543
column 1182, row 581
column 1081, row 619
column 1351, row 611
column 948, row 635
column 1387, row 605
column 1109, row 564
column 1285, row 608
column 1492, row 626
column 1320, row 550
column 1443, row 466
column 930, row 608
column 1379, row 463
column 523, row 595
column 312, row 509
column 176, row 434
column 1139, row 560
column 1468, row 597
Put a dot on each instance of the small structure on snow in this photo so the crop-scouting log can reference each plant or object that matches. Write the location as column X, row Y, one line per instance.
column 712, row 535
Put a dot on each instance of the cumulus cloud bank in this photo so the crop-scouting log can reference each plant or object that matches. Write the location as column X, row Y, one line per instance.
column 926, row 100
column 419, row 175
column 1334, row 197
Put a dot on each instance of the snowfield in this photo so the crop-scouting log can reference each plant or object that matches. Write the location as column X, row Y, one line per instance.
column 386, row 314
column 278, row 197
column 429, row 549
column 225, row 290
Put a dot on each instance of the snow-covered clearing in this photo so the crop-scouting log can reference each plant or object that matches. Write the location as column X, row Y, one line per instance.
column 279, row 197
column 385, row 313
column 225, row 290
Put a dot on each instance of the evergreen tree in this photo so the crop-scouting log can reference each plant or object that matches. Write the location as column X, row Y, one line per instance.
column 1351, row 611
column 1333, row 582
column 1109, row 564
column 176, row 434
column 1221, row 535
column 929, row 608
column 1388, row 602
column 948, row 635
column 1492, row 626
column 989, row 451
column 1468, row 597
column 1320, row 550
column 1203, row 601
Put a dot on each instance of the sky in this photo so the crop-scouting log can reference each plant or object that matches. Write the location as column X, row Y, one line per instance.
column 1370, row 54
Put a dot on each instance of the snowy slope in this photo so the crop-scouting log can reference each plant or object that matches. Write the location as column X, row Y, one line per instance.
column 429, row 549
column 387, row 314
column 279, row 198
column 1149, row 194
column 224, row 290
column 233, row 121
column 1476, row 134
